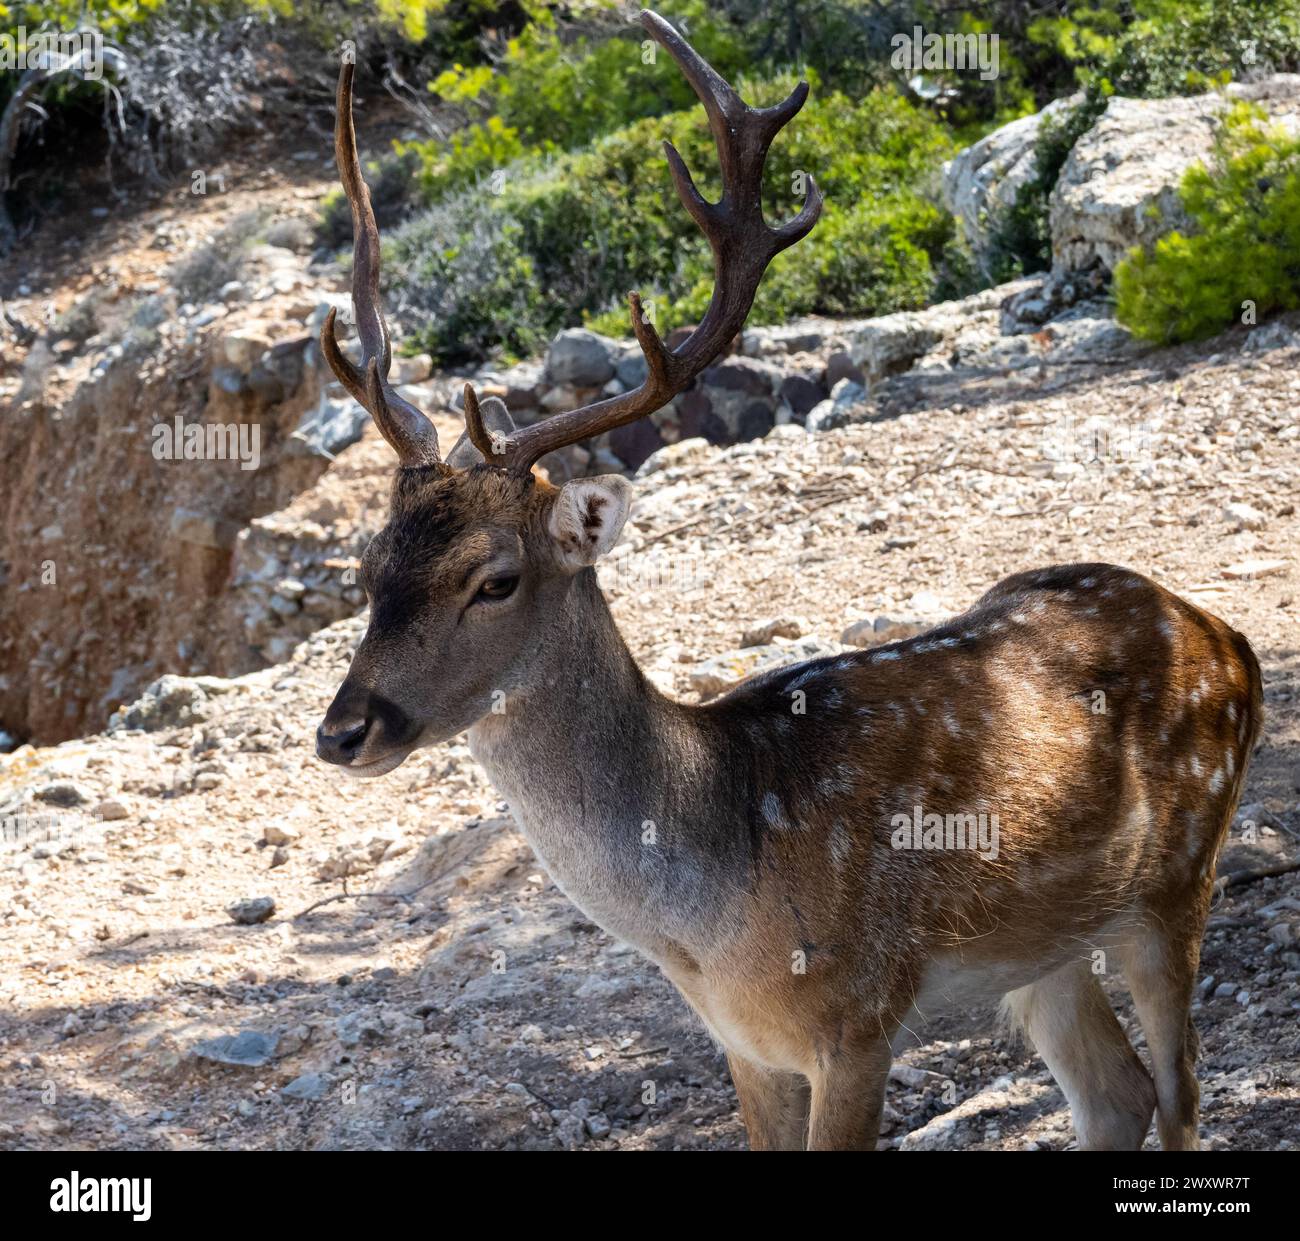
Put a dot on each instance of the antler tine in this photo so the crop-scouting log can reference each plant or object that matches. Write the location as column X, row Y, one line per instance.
column 742, row 243
column 402, row 425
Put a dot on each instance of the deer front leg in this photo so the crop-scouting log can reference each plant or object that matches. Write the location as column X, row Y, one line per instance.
column 773, row 1105
column 848, row 1097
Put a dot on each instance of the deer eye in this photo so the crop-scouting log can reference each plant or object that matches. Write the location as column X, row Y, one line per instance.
column 498, row 587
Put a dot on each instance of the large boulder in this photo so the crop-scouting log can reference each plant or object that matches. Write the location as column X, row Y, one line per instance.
column 980, row 183
column 1133, row 159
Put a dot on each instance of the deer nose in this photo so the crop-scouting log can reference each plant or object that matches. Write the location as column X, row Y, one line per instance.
column 337, row 741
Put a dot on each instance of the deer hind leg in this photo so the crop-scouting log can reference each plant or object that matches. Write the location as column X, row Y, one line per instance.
column 1160, row 969
column 1070, row 1022
column 773, row 1105
column 848, row 1097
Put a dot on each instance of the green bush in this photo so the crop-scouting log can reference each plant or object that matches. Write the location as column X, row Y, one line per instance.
column 582, row 229
column 1243, row 243
column 1020, row 241
column 1152, row 48
column 391, row 179
column 551, row 94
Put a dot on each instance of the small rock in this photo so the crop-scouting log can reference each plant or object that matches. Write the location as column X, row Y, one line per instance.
column 581, row 358
column 1281, row 934
column 280, row 834
column 110, row 810
column 684, row 452
column 883, row 629
column 847, row 403
column 250, row 912
column 169, row 702
column 1246, row 570
column 65, row 793
column 307, row 1086
column 1241, row 516
column 777, row 627
column 927, row 603
column 722, row 672
column 412, row 370
column 360, row 1027
column 248, row 1048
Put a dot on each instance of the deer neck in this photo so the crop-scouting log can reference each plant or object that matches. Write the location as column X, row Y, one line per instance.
column 610, row 781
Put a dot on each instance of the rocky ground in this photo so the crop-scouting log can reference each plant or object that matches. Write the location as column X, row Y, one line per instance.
column 213, row 942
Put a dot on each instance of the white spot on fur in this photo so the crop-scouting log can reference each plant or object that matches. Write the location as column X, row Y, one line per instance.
column 774, row 812
column 841, row 844
column 809, row 674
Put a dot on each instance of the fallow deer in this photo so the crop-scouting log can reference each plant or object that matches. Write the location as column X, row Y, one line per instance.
column 1101, row 724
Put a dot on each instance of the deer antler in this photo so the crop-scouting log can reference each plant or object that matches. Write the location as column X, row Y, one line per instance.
column 402, row 425
column 742, row 244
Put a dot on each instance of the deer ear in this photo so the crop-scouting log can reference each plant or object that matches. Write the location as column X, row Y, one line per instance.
column 497, row 420
column 587, row 518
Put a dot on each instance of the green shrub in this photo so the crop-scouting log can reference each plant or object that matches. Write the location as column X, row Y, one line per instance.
column 391, row 179
column 587, row 227
column 1243, row 243
column 1020, row 241
column 199, row 275
column 551, row 94
column 1152, row 48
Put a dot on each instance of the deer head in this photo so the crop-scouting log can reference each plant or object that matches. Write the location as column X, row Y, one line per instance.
column 467, row 579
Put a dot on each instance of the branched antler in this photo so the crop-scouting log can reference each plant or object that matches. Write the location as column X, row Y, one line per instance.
column 742, row 242
column 743, row 245
column 402, row 425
